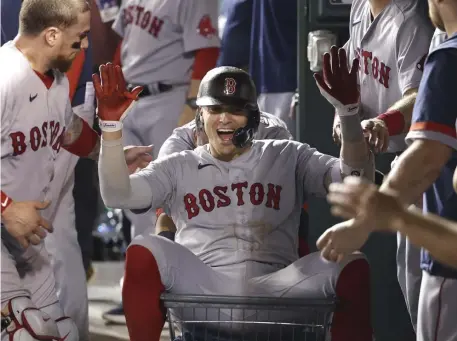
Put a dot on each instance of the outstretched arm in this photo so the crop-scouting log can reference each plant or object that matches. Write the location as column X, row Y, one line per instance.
column 437, row 235
column 140, row 190
column 339, row 86
column 360, row 198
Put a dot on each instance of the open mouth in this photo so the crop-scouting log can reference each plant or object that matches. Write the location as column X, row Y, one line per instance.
column 225, row 134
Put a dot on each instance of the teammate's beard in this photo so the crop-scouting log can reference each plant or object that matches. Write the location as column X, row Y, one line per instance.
column 61, row 63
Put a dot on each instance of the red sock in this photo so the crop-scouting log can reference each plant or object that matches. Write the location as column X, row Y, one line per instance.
column 352, row 317
column 141, row 291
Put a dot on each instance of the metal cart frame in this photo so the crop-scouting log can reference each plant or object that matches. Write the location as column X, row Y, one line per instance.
column 319, row 310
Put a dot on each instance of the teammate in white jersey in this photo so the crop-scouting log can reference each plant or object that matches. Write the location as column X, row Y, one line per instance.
column 391, row 39
column 36, row 122
column 236, row 203
column 167, row 47
column 390, row 71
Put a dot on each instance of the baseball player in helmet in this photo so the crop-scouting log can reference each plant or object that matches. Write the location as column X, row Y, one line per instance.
column 188, row 137
column 228, row 89
column 236, row 202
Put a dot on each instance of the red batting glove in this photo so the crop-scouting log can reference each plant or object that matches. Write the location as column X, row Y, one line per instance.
column 338, row 84
column 114, row 101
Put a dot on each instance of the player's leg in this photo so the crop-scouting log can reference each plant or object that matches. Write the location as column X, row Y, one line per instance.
column 437, row 309
column 312, row 277
column 279, row 104
column 38, row 278
column 154, row 265
column 139, row 223
column 67, row 262
column 22, row 318
column 409, row 275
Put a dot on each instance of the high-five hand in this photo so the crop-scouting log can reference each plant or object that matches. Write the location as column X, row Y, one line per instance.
column 113, row 99
column 337, row 83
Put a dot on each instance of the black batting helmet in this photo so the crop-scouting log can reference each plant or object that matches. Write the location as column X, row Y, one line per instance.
column 227, row 85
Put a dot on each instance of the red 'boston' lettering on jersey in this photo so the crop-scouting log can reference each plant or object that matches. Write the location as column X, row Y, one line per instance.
column 371, row 65
column 37, row 138
column 138, row 16
column 208, row 200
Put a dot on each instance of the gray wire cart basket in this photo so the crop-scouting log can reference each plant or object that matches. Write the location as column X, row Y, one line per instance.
column 233, row 318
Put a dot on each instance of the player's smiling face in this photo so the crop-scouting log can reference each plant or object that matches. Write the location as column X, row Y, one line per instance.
column 72, row 40
column 220, row 124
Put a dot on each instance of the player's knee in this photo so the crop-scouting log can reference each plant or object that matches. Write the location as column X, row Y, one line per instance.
column 23, row 321
column 355, row 256
column 156, row 245
column 139, row 260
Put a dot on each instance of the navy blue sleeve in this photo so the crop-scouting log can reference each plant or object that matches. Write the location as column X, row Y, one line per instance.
column 435, row 113
column 9, row 19
column 236, row 37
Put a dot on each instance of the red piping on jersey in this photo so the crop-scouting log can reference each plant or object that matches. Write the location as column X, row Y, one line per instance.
column 205, row 60
column 47, row 79
column 85, row 143
column 435, row 127
column 394, row 121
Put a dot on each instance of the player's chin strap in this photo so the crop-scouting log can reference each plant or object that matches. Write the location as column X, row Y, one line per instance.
column 23, row 321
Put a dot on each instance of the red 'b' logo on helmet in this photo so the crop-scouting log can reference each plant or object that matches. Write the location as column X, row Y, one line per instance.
column 230, row 86
column 205, row 27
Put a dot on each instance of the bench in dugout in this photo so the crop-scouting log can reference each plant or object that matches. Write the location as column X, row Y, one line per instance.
column 232, row 318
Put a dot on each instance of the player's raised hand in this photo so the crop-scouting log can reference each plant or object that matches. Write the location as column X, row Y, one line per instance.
column 114, row 100
column 23, row 221
column 338, row 83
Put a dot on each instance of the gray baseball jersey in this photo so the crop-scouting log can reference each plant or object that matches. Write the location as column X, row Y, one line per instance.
column 237, row 226
column 244, row 210
column 159, row 36
column 30, row 141
column 270, row 127
column 391, row 49
column 32, row 123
